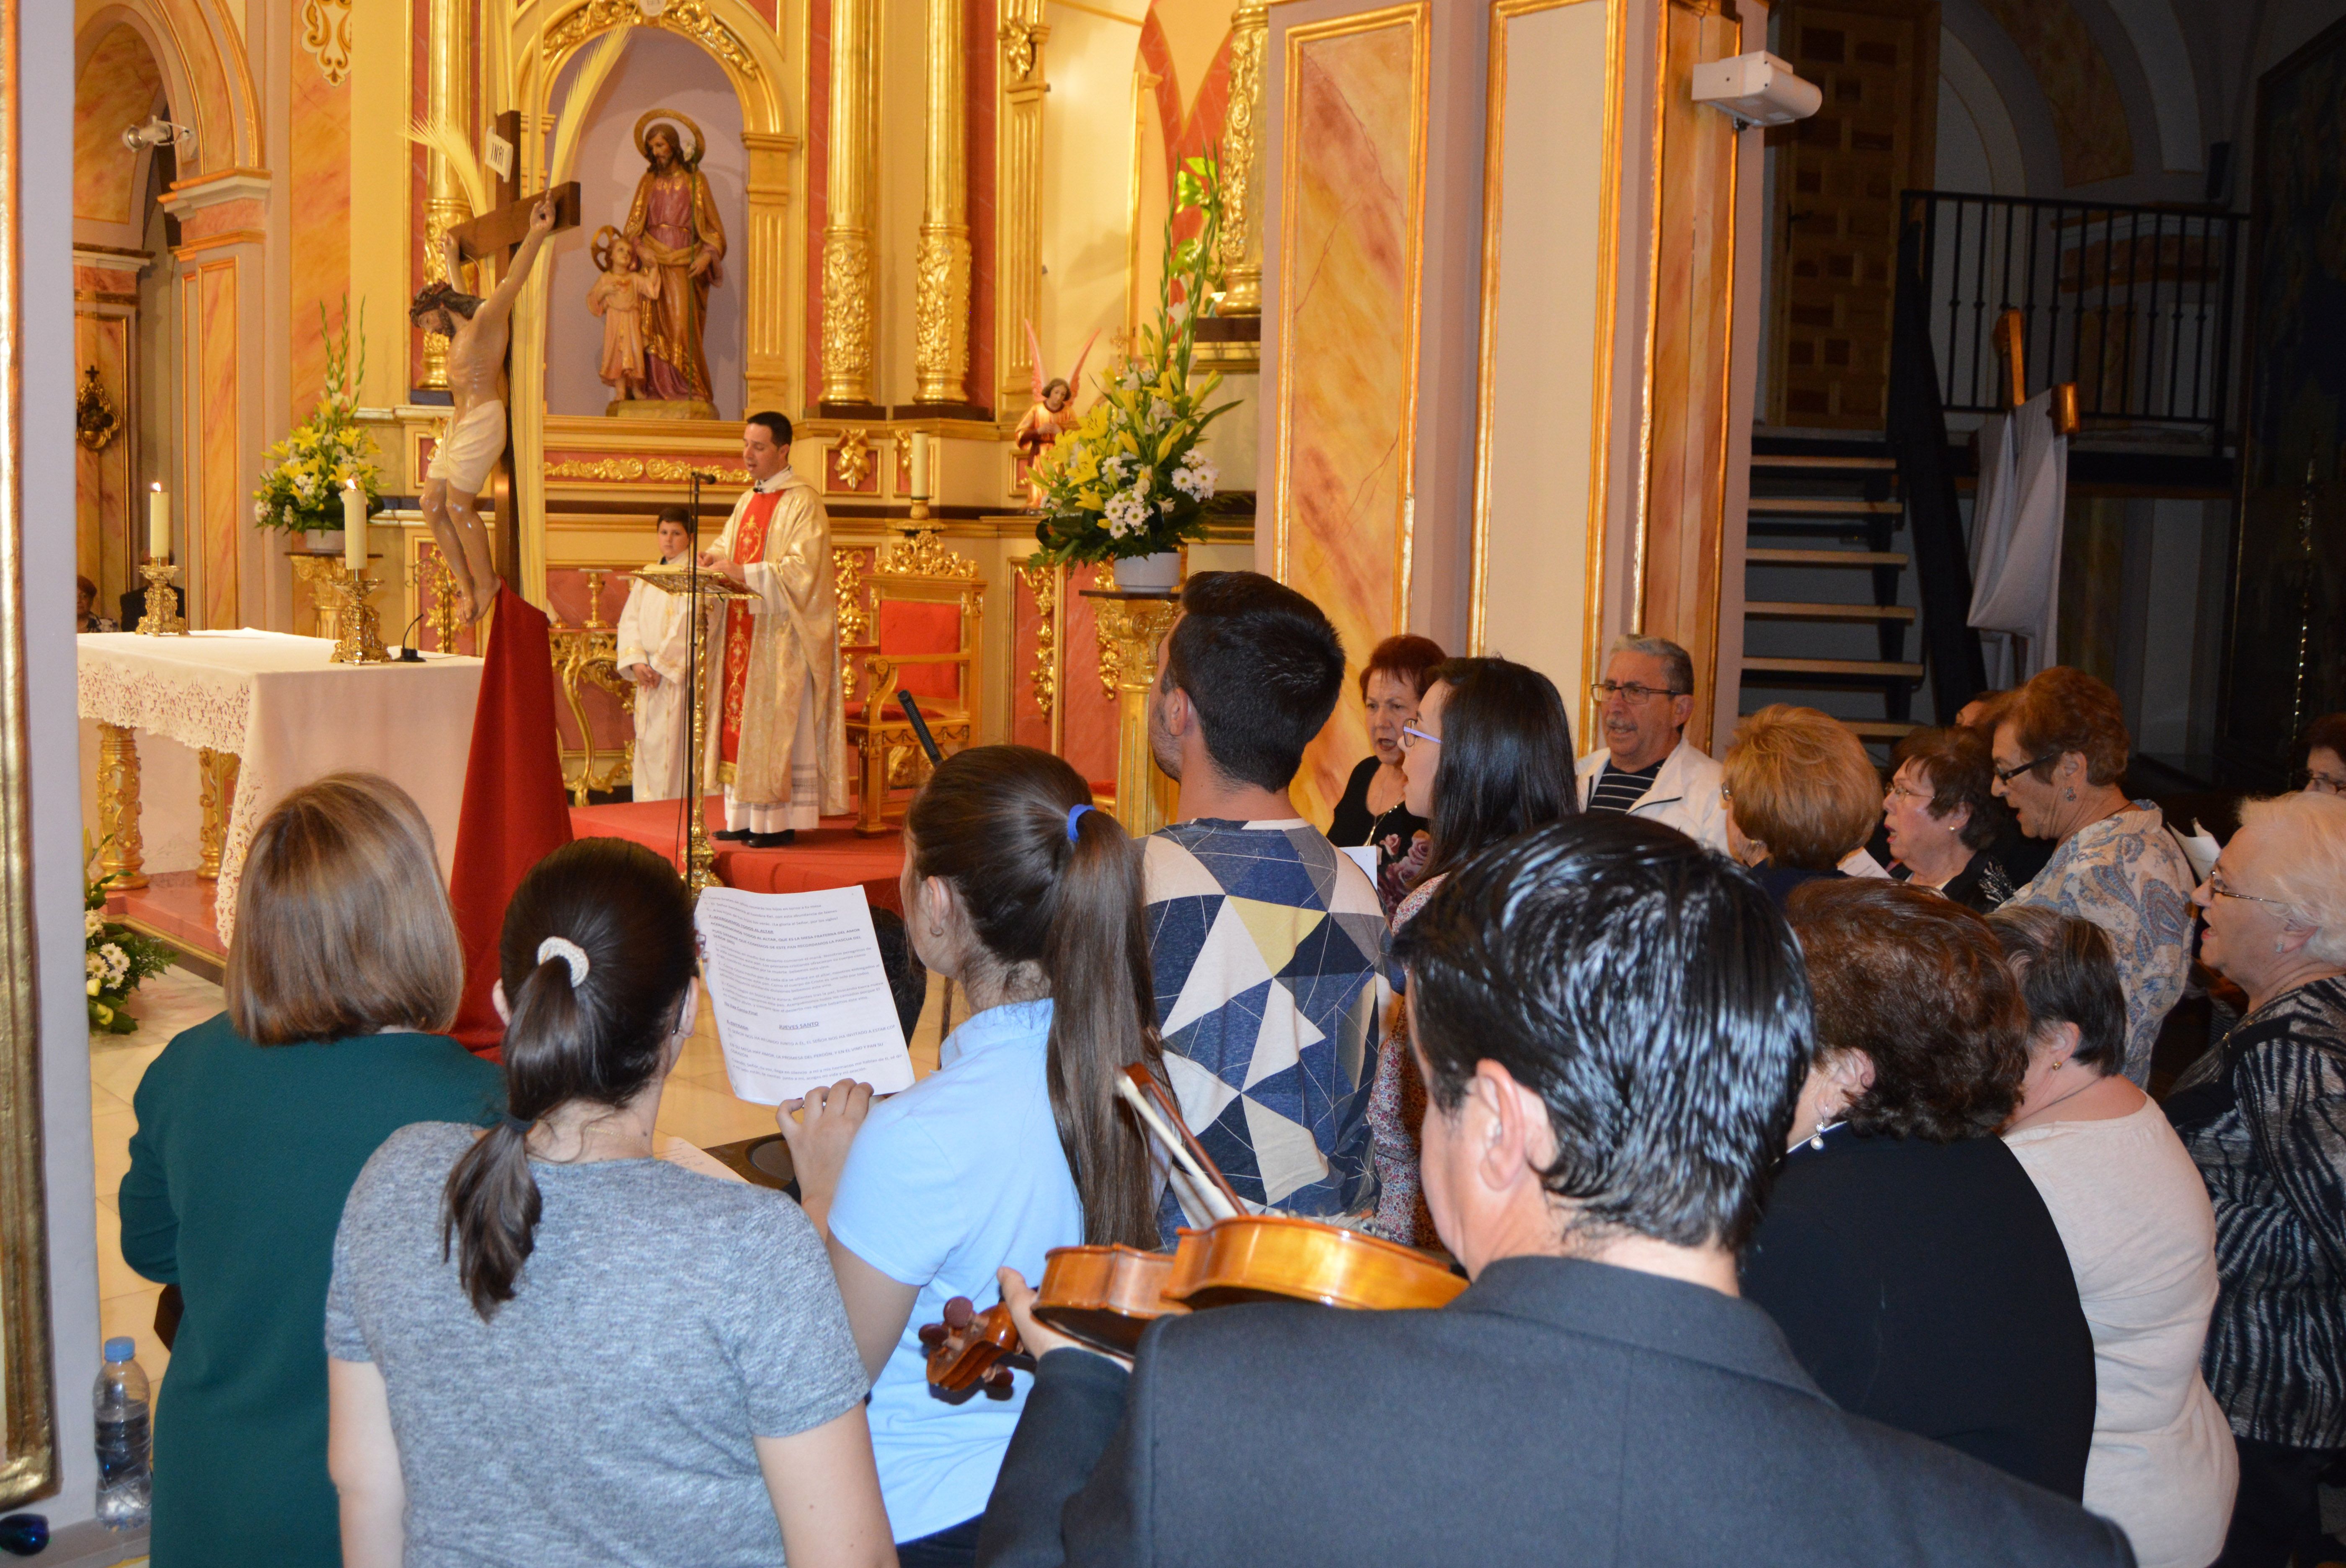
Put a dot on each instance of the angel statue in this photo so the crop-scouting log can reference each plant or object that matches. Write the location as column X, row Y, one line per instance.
column 1053, row 414
column 618, row 297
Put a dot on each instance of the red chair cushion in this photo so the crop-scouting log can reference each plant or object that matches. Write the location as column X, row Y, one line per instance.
column 908, row 626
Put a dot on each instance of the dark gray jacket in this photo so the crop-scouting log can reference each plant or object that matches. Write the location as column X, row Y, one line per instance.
column 1557, row 1411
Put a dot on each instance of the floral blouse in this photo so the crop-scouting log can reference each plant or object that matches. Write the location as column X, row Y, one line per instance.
column 1397, row 1106
column 2127, row 874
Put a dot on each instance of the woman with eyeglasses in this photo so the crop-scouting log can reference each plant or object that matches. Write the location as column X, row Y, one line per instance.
column 1943, row 819
column 2264, row 1118
column 2061, row 743
column 2325, row 756
column 1373, row 811
column 1490, row 757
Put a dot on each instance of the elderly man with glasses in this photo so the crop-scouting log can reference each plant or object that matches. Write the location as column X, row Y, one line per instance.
column 1647, row 767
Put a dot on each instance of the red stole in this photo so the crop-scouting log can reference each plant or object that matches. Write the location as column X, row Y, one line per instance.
column 749, row 549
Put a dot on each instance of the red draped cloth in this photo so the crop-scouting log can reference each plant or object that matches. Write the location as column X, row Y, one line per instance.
column 516, row 811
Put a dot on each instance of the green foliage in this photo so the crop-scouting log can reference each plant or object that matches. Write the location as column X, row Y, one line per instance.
column 116, row 959
column 1129, row 479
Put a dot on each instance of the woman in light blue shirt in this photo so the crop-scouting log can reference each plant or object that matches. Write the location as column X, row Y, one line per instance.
column 1030, row 900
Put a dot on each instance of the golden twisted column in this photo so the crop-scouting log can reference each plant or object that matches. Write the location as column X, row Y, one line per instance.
column 122, row 859
column 847, row 232
column 448, row 79
column 941, row 266
column 1018, row 199
column 1240, row 250
column 216, row 774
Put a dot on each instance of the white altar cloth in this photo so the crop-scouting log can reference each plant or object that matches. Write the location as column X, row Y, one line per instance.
column 290, row 715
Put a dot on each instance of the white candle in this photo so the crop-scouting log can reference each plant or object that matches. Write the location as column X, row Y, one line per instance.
column 158, row 524
column 354, row 520
column 920, row 467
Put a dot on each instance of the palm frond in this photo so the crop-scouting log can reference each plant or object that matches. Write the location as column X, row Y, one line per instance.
column 449, row 142
column 584, row 87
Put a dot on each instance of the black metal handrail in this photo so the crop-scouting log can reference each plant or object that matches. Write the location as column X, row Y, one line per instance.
column 2134, row 304
column 1917, row 434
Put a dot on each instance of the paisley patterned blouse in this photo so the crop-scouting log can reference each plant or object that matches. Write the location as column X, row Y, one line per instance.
column 2126, row 875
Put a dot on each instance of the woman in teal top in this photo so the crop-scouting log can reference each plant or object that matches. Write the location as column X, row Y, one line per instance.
column 252, row 1128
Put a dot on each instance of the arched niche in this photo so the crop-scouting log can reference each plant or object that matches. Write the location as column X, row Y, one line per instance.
column 766, row 259
column 205, row 76
column 659, row 70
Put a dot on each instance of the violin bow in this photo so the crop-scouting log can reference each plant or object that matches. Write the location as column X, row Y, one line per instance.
column 1140, row 1086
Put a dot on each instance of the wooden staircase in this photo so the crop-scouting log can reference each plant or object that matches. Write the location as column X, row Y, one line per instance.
column 1821, row 565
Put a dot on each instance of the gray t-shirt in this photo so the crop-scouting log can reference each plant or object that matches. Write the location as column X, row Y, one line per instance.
column 605, row 1414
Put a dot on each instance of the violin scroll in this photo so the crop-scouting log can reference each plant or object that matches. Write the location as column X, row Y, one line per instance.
column 973, row 1352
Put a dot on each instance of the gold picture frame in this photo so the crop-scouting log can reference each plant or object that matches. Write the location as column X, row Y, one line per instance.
column 28, row 1458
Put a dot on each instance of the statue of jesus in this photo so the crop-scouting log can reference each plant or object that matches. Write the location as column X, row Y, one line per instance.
column 678, row 237
column 478, row 333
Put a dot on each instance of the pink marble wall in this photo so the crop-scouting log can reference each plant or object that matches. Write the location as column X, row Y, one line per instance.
column 225, row 510
column 319, row 135
column 1353, row 154
column 118, row 85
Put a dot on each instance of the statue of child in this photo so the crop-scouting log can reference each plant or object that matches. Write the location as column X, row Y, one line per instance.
column 618, row 297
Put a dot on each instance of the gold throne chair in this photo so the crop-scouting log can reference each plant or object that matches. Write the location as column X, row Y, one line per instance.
column 913, row 622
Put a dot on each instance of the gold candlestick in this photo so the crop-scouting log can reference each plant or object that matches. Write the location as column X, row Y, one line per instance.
column 162, row 618
column 358, row 636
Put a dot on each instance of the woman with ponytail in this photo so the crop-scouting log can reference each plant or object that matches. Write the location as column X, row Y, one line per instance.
column 1030, row 900
column 547, row 1346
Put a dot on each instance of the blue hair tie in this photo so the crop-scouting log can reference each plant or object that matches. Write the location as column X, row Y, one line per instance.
column 1074, row 812
column 516, row 1123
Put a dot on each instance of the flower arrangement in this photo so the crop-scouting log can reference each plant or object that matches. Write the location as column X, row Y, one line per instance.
column 304, row 488
column 1129, row 479
column 116, row 959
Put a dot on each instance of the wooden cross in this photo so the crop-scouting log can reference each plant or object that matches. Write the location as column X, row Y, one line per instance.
column 496, row 235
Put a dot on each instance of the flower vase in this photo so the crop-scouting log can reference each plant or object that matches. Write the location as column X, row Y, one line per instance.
column 323, row 541
column 1157, row 574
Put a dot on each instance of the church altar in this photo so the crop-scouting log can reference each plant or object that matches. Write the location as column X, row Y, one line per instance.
column 265, row 712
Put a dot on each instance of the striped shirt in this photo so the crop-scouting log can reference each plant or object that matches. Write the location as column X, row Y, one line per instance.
column 2264, row 1118
column 1617, row 791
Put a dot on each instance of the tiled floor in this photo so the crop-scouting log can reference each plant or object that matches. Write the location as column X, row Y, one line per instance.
column 697, row 1106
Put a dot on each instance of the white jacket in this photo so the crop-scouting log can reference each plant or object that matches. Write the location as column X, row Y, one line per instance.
column 1684, row 794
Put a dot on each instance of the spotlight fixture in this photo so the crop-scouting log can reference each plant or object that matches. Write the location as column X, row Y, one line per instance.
column 155, row 132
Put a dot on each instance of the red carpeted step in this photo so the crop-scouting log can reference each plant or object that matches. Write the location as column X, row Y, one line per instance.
column 832, row 856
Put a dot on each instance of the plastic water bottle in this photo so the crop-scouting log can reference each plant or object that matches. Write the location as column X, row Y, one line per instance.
column 123, row 1481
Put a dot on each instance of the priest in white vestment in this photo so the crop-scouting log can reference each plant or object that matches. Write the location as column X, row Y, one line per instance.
column 777, row 737
column 656, row 653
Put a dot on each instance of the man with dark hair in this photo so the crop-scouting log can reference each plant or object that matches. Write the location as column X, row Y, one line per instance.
column 777, row 734
column 1613, row 1026
column 1264, row 937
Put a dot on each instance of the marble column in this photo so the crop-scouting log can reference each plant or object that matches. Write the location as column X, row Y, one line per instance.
column 847, row 233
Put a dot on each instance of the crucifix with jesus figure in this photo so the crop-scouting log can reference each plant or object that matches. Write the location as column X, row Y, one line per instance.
column 478, row 442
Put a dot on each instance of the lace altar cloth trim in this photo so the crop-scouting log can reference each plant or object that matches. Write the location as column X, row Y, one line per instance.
column 199, row 708
column 203, row 692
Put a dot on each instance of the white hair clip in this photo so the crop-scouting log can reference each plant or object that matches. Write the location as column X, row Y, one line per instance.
column 570, row 952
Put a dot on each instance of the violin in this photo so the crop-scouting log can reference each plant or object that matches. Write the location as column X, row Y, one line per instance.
column 1106, row 1297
